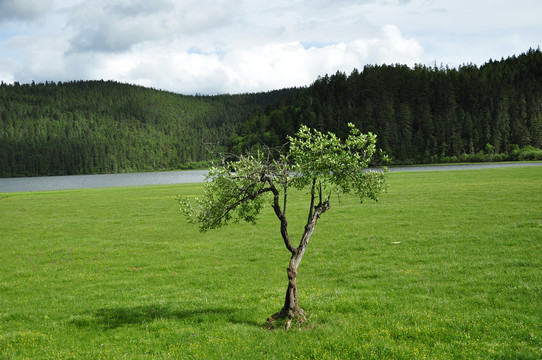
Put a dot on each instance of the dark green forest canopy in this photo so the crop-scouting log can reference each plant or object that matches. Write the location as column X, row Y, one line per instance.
column 420, row 114
column 87, row 127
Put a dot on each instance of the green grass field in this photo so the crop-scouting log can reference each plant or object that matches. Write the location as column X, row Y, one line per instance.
column 448, row 265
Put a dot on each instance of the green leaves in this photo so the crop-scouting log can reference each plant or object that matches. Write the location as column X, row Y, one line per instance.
column 337, row 165
column 231, row 193
column 236, row 190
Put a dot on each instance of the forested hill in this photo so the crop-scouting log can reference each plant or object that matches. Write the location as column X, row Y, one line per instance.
column 87, row 127
column 422, row 114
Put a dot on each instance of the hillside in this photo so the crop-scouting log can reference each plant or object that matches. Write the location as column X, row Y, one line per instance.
column 421, row 115
column 88, row 127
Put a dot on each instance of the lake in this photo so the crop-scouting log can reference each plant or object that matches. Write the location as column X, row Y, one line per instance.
column 44, row 183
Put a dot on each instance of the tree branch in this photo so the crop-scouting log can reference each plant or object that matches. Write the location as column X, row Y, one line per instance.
column 320, row 193
column 281, row 216
column 311, row 208
column 285, row 195
column 309, row 228
column 252, row 196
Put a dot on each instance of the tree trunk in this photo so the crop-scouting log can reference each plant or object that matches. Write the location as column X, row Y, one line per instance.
column 291, row 309
column 290, row 301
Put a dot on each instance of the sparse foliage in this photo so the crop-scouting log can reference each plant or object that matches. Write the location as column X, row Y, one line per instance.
column 322, row 163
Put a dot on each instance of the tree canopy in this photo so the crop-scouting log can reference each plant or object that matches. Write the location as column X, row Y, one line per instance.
column 322, row 163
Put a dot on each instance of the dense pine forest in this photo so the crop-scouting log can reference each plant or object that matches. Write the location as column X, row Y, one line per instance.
column 89, row 127
column 421, row 115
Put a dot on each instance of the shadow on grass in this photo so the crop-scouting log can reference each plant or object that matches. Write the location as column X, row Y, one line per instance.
column 112, row 318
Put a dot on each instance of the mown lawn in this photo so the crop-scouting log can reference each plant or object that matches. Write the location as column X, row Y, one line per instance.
column 448, row 265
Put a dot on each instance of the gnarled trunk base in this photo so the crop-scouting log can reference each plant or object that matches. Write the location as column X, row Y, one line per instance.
column 285, row 317
column 291, row 311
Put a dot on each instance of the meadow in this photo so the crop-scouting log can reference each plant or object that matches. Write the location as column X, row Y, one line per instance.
column 447, row 265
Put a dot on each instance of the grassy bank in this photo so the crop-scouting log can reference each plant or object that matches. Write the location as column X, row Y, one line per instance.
column 446, row 265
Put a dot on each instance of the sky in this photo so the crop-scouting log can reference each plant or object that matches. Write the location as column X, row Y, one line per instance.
column 241, row 46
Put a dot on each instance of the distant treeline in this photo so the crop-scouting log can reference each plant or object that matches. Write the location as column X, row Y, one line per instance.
column 421, row 115
column 88, row 127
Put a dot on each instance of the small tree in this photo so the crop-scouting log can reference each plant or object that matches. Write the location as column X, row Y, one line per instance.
column 320, row 162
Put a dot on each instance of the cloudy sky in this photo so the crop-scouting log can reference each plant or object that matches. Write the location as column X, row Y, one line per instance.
column 237, row 46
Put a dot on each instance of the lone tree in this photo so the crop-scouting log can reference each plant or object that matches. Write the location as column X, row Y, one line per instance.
column 320, row 162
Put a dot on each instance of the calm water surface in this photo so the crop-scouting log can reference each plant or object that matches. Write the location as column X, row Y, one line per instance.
column 176, row 177
column 98, row 181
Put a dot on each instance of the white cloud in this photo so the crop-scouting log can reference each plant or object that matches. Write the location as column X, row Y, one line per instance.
column 464, row 31
column 8, row 68
column 109, row 27
column 169, row 65
column 394, row 47
column 23, row 10
column 217, row 46
column 33, row 57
